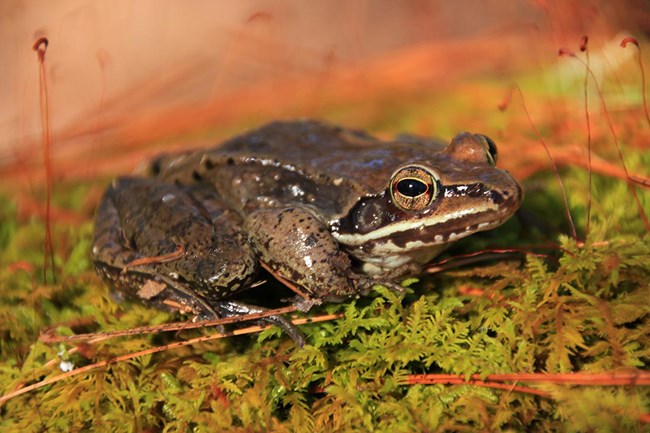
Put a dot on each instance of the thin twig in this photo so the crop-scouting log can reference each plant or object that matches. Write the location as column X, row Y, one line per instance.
column 166, row 327
column 617, row 378
column 117, row 359
column 502, row 107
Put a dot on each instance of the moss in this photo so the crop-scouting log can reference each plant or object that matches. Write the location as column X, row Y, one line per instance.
column 583, row 310
column 575, row 308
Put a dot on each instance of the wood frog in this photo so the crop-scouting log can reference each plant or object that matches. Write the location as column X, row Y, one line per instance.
column 330, row 210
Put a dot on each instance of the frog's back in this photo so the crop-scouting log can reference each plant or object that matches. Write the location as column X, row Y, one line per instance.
column 303, row 161
column 326, row 149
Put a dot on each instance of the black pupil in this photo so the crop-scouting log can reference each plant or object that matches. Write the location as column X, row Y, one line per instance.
column 411, row 187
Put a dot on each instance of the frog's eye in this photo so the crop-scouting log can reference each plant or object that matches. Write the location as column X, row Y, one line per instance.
column 413, row 188
column 490, row 148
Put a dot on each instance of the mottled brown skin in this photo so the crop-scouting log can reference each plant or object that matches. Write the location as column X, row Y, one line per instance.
column 216, row 258
column 316, row 203
column 175, row 217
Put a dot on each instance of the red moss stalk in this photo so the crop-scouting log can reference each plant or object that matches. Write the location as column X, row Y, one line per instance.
column 40, row 46
column 630, row 183
column 631, row 40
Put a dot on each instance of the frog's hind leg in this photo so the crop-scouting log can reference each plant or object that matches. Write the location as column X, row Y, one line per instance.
column 236, row 308
column 113, row 257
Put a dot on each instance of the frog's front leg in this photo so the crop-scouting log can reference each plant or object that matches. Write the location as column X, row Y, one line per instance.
column 298, row 247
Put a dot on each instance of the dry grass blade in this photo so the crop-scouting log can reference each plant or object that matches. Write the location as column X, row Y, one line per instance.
column 94, row 337
column 122, row 358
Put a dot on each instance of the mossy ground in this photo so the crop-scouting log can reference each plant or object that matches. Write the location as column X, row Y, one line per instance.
column 576, row 308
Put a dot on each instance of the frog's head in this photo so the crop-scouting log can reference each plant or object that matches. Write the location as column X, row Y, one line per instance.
column 430, row 203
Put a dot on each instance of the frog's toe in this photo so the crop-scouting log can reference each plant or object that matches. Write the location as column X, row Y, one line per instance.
column 366, row 284
column 235, row 308
column 397, row 288
column 289, row 328
column 304, row 304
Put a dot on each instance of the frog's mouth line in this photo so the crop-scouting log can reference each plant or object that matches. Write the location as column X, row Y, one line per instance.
column 410, row 242
column 446, row 230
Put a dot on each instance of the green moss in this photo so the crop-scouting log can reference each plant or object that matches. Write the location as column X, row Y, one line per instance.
column 581, row 308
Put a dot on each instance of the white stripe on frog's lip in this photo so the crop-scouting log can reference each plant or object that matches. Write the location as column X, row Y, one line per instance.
column 389, row 247
column 402, row 226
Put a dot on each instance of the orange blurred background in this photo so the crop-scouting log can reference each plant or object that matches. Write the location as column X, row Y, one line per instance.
column 125, row 74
